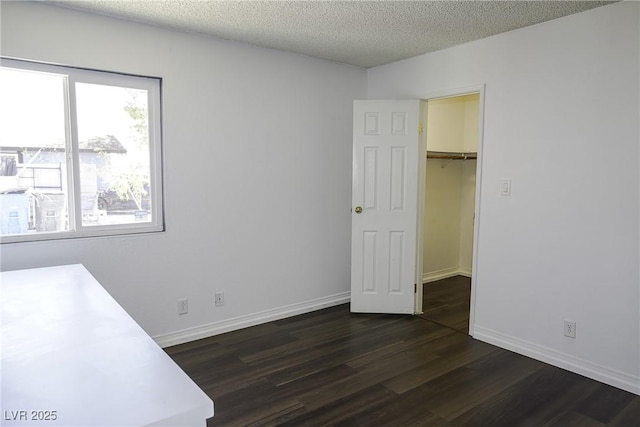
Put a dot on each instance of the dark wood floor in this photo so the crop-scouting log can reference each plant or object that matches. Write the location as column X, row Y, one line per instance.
column 331, row 367
column 446, row 302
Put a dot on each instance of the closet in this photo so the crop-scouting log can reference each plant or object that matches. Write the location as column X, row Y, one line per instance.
column 452, row 146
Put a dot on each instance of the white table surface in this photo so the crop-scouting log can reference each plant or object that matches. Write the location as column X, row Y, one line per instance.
column 67, row 346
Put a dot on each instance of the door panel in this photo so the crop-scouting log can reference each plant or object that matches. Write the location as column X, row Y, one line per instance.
column 385, row 192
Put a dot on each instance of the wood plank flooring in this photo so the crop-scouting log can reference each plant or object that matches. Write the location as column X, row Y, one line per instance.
column 446, row 302
column 334, row 368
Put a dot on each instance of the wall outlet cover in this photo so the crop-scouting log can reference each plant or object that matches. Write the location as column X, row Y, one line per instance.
column 183, row 306
column 570, row 328
column 219, row 298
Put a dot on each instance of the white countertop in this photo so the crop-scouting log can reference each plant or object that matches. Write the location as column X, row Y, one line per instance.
column 67, row 346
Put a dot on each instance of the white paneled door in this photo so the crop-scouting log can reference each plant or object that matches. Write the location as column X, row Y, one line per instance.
column 386, row 146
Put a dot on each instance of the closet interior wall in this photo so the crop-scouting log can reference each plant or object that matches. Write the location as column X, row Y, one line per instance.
column 452, row 126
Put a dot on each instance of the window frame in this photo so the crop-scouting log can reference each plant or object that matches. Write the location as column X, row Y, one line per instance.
column 153, row 86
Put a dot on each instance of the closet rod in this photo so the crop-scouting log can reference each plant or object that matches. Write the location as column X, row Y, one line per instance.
column 451, row 156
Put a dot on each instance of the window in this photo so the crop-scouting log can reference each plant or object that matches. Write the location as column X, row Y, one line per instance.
column 79, row 153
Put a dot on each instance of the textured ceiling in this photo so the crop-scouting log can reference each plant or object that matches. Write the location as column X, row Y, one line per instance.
column 362, row 33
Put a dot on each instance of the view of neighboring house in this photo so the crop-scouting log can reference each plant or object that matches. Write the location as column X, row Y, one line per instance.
column 33, row 187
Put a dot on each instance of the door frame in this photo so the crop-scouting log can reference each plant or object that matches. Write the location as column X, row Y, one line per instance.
column 450, row 93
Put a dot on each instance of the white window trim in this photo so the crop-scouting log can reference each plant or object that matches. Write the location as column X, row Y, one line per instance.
column 153, row 87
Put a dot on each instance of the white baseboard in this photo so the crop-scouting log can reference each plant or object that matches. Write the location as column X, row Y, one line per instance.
column 571, row 363
column 240, row 322
column 445, row 274
column 465, row 271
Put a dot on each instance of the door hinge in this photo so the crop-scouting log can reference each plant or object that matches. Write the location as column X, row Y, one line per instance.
column 415, row 288
column 420, row 128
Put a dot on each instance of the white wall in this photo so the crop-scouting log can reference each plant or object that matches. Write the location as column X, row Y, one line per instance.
column 257, row 154
column 561, row 121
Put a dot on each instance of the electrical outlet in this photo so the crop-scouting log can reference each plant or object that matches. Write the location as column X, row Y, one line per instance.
column 569, row 328
column 219, row 298
column 183, row 306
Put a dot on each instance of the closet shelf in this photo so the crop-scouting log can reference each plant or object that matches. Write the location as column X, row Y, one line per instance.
column 450, row 156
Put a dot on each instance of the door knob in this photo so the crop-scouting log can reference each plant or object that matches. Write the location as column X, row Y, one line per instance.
column 358, row 209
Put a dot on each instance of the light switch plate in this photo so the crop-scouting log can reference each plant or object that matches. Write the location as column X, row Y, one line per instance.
column 505, row 187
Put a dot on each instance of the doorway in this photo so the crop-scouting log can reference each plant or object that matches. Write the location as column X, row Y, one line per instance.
column 388, row 202
column 453, row 126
